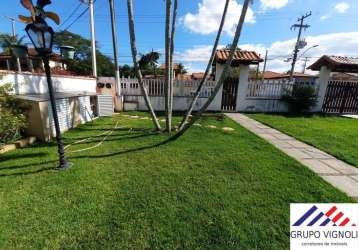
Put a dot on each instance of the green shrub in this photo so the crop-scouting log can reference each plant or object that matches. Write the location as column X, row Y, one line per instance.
column 12, row 115
column 301, row 99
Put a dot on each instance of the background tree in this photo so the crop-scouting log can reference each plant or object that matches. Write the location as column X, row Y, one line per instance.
column 148, row 63
column 7, row 40
column 127, row 71
column 82, row 63
column 181, row 69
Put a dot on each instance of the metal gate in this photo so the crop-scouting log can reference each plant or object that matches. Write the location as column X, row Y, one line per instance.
column 228, row 102
column 341, row 97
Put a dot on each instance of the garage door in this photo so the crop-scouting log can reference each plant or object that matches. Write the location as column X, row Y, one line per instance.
column 64, row 115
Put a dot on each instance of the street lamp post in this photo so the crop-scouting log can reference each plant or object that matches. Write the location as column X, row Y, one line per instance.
column 41, row 36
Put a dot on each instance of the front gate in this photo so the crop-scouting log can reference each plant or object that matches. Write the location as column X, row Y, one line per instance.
column 341, row 97
column 228, row 102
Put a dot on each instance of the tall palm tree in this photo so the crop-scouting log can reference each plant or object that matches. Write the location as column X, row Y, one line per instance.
column 225, row 71
column 136, row 65
column 171, row 64
column 204, row 80
column 7, row 41
column 167, row 65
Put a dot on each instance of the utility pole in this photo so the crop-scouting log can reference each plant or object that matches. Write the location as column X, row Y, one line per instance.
column 93, row 39
column 115, row 47
column 13, row 23
column 301, row 26
column 305, row 64
column 13, row 20
column 265, row 64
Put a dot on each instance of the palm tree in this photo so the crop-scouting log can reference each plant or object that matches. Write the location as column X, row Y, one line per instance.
column 167, row 65
column 223, row 75
column 204, row 80
column 136, row 65
column 149, row 62
column 181, row 69
column 171, row 64
column 7, row 41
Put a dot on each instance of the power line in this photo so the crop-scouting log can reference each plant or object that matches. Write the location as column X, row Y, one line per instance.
column 70, row 16
column 81, row 15
column 74, row 21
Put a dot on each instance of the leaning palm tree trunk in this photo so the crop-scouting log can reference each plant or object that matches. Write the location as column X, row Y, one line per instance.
column 225, row 71
column 136, row 65
column 167, row 65
column 208, row 68
column 171, row 64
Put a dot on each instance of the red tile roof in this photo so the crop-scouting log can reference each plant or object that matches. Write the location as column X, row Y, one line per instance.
column 337, row 64
column 240, row 57
column 275, row 75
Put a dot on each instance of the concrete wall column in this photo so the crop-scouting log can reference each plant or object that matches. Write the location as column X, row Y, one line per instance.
column 324, row 76
column 241, row 104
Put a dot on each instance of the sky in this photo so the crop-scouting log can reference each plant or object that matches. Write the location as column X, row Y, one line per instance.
column 334, row 27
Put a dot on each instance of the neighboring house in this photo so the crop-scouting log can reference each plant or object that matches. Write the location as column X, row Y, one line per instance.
column 194, row 76
column 344, row 77
column 76, row 99
column 339, row 64
column 32, row 64
column 299, row 77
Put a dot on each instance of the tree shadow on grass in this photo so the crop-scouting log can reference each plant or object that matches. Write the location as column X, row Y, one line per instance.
column 137, row 149
column 5, row 158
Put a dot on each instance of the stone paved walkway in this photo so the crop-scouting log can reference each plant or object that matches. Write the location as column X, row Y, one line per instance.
column 340, row 174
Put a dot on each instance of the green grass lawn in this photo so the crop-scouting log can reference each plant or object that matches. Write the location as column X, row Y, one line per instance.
column 209, row 189
column 335, row 135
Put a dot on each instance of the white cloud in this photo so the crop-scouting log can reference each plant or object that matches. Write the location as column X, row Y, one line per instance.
column 343, row 44
column 325, row 17
column 342, row 7
column 273, row 4
column 207, row 19
column 197, row 54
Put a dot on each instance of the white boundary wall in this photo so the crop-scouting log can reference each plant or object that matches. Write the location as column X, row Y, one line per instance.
column 31, row 83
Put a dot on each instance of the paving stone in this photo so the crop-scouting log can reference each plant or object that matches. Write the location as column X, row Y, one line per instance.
column 227, row 129
column 280, row 144
column 298, row 144
column 341, row 166
column 315, row 153
column 319, row 167
column 267, row 136
column 344, row 183
column 355, row 177
column 296, row 153
column 283, row 137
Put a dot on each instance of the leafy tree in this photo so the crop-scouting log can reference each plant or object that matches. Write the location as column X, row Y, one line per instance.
column 127, row 71
column 6, row 41
column 148, row 63
column 12, row 118
column 181, row 69
column 82, row 63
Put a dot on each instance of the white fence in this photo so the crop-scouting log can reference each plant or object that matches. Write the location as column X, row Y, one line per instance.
column 183, row 94
column 268, row 89
column 156, row 87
